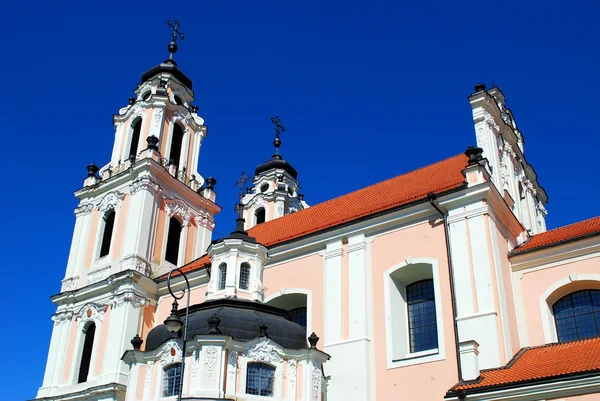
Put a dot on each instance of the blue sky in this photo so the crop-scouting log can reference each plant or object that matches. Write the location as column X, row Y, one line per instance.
column 366, row 90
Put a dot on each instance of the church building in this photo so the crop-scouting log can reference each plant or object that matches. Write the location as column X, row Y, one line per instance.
column 438, row 284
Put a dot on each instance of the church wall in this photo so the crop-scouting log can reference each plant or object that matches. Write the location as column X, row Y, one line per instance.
column 100, row 343
column 191, row 238
column 544, row 284
column 70, row 352
column 435, row 377
column 91, row 241
column 160, row 232
column 119, row 231
column 345, row 293
column 148, row 320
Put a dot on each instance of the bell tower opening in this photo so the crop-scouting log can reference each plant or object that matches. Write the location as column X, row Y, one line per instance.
column 259, row 215
column 135, row 138
column 109, row 223
column 176, row 142
column 174, row 235
column 86, row 354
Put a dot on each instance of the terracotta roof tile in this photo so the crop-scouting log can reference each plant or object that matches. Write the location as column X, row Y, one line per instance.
column 395, row 192
column 560, row 235
column 543, row 362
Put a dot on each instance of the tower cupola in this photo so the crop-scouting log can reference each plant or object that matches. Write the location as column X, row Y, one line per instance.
column 275, row 191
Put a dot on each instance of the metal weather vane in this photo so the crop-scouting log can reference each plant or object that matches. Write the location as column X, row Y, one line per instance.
column 241, row 183
column 177, row 34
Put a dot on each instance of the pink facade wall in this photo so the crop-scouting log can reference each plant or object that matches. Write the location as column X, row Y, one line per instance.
column 431, row 379
column 535, row 282
column 119, row 230
column 100, row 342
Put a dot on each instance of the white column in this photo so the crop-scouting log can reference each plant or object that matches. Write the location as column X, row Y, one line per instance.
column 333, row 293
column 465, row 303
column 85, row 241
column 183, row 156
column 211, row 379
column 292, row 366
column 357, row 293
column 183, row 243
column 120, row 127
column 80, row 214
column 194, row 388
column 199, row 246
column 232, row 269
column 469, row 359
column 132, row 382
column 56, row 353
column 230, row 389
column 125, row 317
column 157, row 120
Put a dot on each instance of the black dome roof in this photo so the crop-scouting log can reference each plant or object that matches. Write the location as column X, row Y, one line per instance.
column 169, row 66
column 240, row 319
column 276, row 162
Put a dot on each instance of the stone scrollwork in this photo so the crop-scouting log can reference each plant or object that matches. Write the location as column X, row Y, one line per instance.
column 292, row 365
column 63, row 316
column 69, row 284
column 263, row 351
column 83, row 209
column 144, row 184
column 196, row 365
column 232, row 364
column 148, row 377
column 210, row 359
column 170, row 353
column 489, row 119
column 111, row 200
column 99, row 274
column 316, row 379
column 91, row 312
column 158, row 115
column 135, row 263
column 177, row 207
column 128, row 297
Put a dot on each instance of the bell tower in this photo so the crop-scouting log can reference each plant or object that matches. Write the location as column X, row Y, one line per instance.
column 144, row 212
column 275, row 191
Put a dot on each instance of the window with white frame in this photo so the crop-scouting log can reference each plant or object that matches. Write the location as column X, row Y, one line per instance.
column 222, row 276
column 86, row 353
column 171, row 380
column 259, row 379
column 244, row 276
column 107, row 232
column 577, row 315
column 413, row 313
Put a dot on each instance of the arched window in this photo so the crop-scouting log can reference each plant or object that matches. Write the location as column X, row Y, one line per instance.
column 172, row 380
column 135, row 137
column 109, row 223
column 172, row 252
column 577, row 315
column 260, row 215
column 222, row 276
column 176, row 142
column 86, row 354
column 298, row 315
column 422, row 326
column 259, row 379
column 178, row 100
column 244, row 276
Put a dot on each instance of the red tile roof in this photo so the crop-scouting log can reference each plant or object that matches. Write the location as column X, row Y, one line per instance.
column 543, row 362
column 560, row 235
column 395, row 192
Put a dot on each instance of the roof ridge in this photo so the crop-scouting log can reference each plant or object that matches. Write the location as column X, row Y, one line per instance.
column 362, row 189
column 565, row 226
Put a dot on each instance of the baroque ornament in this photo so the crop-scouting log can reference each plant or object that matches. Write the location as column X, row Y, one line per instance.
column 144, row 184
column 170, row 353
column 134, row 299
column 83, row 209
column 158, row 115
column 111, row 200
column 148, row 378
column 196, row 365
column 231, row 364
column 177, row 207
column 210, row 359
column 292, row 365
column 263, row 351
column 63, row 316
column 90, row 312
column 316, row 379
column 135, row 263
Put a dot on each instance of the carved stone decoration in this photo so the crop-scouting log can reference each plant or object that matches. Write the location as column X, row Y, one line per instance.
column 316, row 379
column 480, row 135
column 135, row 263
column 540, row 208
column 263, row 351
column 210, row 359
column 90, row 312
column 158, row 115
column 196, row 365
column 144, row 184
column 111, row 200
column 170, row 353
column 177, row 207
column 83, row 209
column 489, row 119
column 61, row 317
column 231, row 364
column 98, row 274
column 134, row 299
column 69, row 284
column 148, row 377
column 292, row 365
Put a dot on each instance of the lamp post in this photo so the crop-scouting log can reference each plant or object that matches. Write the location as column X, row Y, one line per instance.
column 174, row 323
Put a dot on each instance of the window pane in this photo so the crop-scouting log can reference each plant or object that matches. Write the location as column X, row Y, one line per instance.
column 172, row 380
column 259, row 379
column 222, row 276
column 298, row 315
column 575, row 315
column 422, row 325
column 244, row 276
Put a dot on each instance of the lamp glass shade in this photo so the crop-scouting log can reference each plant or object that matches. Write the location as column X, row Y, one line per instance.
column 173, row 323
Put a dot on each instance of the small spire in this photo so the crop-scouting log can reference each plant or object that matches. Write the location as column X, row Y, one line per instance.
column 175, row 35
column 279, row 128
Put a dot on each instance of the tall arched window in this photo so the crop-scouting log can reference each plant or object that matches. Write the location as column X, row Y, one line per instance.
column 135, row 137
column 222, row 276
column 422, row 326
column 176, row 143
column 298, row 315
column 260, row 215
column 259, row 379
column 86, row 353
column 109, row 224
column 577, row 315
column 244, row 276
column 174, row 235
column 172, row 380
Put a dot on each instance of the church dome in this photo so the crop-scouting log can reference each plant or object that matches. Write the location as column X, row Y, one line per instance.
column 168, row 66
column 240, row 319
column 276, row 162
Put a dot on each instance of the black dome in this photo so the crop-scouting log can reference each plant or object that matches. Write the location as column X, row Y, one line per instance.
column 170, row 67
column 276, row 162
column 240, row 319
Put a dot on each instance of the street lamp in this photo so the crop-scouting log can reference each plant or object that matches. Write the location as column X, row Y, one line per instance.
column 174, row 323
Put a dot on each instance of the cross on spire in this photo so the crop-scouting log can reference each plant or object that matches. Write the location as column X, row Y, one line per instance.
column 175, row 35
column 279, row 128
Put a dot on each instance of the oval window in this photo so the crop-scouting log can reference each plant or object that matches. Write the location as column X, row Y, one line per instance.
column 264, row 187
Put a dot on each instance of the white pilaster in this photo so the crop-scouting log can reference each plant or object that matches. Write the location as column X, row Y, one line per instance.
column 212, row 362
column 333, row 293
column 119, row 127
column 357, row 293
column 232, row 365
column 132, row 383
column 157, row 120
column 183, row 243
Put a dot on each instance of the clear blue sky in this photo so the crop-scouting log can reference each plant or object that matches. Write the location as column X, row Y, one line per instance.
column 367, row 90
